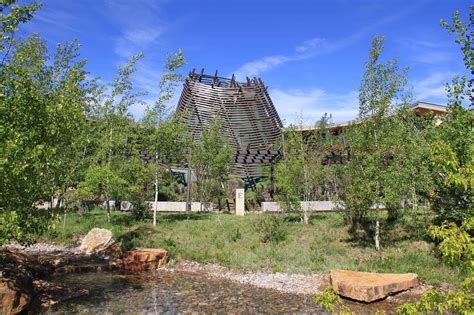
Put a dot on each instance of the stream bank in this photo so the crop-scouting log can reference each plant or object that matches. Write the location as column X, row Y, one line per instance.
column 48, row 278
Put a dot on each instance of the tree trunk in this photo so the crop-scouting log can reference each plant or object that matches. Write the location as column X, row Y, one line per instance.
column 155, row 208
column 107, row 204
column 377, row 229
column 188, row 187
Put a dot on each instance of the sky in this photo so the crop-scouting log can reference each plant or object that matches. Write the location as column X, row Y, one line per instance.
column 310, row 54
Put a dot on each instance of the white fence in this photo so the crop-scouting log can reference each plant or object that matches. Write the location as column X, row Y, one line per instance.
column 319, row 206
column 166, row 206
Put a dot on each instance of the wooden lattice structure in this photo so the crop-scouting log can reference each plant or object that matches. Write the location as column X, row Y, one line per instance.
column 251, row 122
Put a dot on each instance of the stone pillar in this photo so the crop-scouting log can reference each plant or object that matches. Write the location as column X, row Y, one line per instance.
column 240, row 202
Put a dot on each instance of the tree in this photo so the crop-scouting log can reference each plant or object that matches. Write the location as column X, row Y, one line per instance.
column 112, row 150
column 165, row 132
column 452, row 140
column 43, row 98
column 304, row 174
column 11, row 16
column 386, row 165
column 212, row 158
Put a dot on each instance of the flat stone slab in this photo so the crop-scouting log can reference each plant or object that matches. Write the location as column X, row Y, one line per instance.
column 369, row 287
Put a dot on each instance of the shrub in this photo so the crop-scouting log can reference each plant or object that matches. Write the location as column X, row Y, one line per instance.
column 437, row 302
column 135, row 238
column 25, row 225
column 140, row 210
column 456, row 244
column 329, row 300
column 271, row 228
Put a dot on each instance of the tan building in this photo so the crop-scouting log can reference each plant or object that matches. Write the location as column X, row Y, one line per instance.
column 421, row 108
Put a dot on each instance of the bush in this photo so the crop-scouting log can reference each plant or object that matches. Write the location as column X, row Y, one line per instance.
column 437, row 302
column 136, row 237
column 140, row 210
column 329, row 300
column 456, row 244
column 25, row 225
column 272, row 228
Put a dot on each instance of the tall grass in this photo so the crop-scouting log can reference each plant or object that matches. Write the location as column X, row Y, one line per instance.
column 237, row 242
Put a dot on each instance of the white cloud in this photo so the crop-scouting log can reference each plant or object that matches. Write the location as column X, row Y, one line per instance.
column 140, row 24
column 310, row 44
column 312, row 104
column 136, row 40
column 431, row 88
column 255, row 67
column 314, row 47
column 432, row 57
column 307, row 49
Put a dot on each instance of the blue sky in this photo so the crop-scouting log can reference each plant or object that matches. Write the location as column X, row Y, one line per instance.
column 311, row 54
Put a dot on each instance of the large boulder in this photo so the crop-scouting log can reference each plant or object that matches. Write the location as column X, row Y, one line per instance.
column 96, row 240
column 369, row 287
column 145, row 259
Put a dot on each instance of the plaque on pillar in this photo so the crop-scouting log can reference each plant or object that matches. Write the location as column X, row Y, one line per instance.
column 240, row 202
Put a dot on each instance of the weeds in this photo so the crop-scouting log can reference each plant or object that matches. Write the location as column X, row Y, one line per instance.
column 271, row 228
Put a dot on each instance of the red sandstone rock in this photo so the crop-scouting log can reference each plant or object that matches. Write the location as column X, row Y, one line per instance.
column 369, row 287
column 145, row 259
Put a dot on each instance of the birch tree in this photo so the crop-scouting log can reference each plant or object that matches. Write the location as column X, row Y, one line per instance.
column 165, row 139
column 110, row 114
column 385, row 149
column 303, row 175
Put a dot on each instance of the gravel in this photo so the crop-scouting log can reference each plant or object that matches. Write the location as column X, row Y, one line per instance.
column 303, row 284
column 44, row 248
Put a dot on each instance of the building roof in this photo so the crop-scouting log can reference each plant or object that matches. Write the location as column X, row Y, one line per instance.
column 419, row 106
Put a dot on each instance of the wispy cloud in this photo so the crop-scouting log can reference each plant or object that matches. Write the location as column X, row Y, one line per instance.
column 314, row 103
column 432, row 57
column 314, row 47
column 425, row 51
column 135, row 40
column 432, row 88
column 305, row 50
column 140, row 25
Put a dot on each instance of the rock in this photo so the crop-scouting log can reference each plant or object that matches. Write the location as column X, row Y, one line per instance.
column 15, row 293
column 145, row 259
column 369, row 287
column 96, row 240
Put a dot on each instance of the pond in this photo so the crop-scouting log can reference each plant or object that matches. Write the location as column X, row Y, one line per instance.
column 181, row 292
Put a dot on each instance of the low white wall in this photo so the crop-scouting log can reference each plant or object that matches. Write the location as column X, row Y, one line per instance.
column 175, row 206
column 305, row 205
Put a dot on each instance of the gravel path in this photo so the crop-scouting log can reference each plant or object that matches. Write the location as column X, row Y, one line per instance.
column 310, row 284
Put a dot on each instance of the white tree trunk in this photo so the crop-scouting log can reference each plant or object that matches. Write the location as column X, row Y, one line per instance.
column 155, row 208
column 107, row 199
column 377, row 230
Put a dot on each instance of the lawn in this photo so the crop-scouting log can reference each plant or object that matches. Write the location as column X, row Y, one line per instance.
column 235, row 242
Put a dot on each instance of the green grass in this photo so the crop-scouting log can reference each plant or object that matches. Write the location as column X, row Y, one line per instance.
column 235, row 242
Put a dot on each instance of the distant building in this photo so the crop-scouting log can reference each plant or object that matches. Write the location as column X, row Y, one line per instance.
column 420, row 108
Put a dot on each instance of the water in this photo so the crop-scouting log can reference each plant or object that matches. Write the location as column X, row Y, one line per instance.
column 181, row 292
column 172, row 293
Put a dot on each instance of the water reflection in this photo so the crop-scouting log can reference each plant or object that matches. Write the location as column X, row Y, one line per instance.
column 170, row 292
column 179, row 292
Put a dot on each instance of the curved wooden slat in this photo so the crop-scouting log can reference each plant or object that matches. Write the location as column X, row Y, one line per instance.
column 250, row 119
